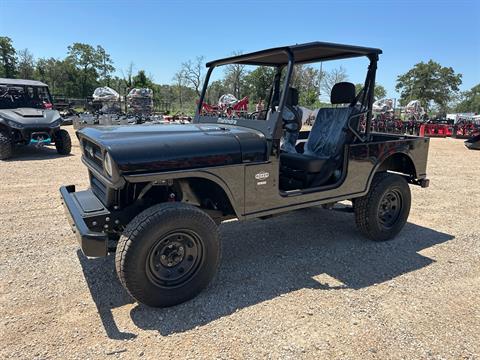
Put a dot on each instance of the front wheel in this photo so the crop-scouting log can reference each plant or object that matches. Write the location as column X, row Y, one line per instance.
column 382, row 213
column 168, row 254
column 6, row 146
column 63, row 143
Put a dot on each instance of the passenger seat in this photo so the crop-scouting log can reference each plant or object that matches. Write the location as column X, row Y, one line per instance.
column 323, row 153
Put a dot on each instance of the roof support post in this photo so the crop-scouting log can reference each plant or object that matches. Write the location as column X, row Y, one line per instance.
column 204, row 91
column 277, row 134
column 372, row 69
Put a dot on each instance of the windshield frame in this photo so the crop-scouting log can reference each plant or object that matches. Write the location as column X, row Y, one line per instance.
column 269, row 126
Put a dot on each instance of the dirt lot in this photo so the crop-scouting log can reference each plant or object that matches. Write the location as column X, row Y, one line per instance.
column 302, row 285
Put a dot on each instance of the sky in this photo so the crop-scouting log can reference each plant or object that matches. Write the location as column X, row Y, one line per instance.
column 158, row 36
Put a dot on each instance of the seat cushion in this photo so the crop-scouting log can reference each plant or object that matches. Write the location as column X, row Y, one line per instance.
column 306, row 163
column 328, row 136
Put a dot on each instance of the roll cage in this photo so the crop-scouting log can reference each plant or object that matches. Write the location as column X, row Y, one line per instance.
column 285, row 58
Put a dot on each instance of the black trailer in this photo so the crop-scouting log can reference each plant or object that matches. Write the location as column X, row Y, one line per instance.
column 158, row 192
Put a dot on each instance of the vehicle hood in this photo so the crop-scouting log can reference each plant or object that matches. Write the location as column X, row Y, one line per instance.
column 153, row 148
column 30, row 116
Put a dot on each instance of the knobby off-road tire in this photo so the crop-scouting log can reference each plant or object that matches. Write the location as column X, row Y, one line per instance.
column 382, row 213
column 63, row 143
column 168, row 254
column 6, row 146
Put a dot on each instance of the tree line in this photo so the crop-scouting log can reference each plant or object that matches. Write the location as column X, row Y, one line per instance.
column 83, row 69
column 86, row 67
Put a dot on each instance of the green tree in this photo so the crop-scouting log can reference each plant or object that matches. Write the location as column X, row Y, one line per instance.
column 215, row 89
column 307, row 81
column 379, row 93
column 429, row 82
column 7, row 57
column 117, row 84
column 91, row 63
column 25, row 65
column 258, row 83
column 141, row 80
column 60, row 75
column 470, row 101
column 106, row 67
column 128, row 75
column 180, row 83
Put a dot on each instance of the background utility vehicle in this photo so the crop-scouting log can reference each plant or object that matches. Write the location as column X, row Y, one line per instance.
column 27, row 117
column 159, row 191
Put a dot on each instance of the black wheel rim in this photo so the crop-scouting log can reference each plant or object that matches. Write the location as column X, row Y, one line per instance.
column 389, row 208
column 174, row 258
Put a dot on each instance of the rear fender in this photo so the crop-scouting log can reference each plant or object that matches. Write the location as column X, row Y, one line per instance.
column 399, row 162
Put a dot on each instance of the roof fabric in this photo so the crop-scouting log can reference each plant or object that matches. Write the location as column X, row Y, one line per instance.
column 303, row 53
column 21, row 82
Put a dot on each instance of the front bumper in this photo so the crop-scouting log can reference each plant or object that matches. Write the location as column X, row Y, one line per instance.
column 86, row 215
column 27, row 134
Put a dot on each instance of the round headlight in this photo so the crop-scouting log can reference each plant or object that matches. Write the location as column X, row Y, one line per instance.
column 108, row 164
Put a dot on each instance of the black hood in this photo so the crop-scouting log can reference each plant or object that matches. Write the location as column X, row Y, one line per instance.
column 147, row 148
column 30, row 116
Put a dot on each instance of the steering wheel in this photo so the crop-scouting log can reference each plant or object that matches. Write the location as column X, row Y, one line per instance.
column 256, row 115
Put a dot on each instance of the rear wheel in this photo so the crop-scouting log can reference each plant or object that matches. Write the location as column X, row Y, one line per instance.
column 63, row 143
column 382, row 213
column 168, row 254
column 6, row 146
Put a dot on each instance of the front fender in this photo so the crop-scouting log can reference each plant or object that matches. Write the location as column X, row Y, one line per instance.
column 215, row 175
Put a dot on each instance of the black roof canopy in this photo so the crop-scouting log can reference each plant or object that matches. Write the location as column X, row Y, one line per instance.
column 21, row 82
column 302, row 53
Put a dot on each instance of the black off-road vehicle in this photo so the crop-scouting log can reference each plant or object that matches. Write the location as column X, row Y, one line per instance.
column 27, row 117
column 158, row 192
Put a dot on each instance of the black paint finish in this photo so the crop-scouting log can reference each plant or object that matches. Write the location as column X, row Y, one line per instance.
column 152, row 148
column 250, row 200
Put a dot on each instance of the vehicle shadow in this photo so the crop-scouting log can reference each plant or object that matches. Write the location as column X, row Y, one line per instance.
column 107, row 292
column 29, row 153
column 265, row 259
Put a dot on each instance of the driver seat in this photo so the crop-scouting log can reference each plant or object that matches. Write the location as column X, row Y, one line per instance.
column 322, row 158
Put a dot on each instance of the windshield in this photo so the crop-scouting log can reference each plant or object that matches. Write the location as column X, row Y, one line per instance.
column 12, row 97
column 260, row 98
column 239, row 91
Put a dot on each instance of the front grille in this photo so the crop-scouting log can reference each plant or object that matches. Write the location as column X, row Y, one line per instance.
column 29, row 132
column 93, row 153
column 99, row 189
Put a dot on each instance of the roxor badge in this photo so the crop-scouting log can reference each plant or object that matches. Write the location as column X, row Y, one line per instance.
column 262, row 175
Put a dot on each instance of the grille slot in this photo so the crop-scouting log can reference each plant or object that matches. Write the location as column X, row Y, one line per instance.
column 99, row 189
column 93, row 153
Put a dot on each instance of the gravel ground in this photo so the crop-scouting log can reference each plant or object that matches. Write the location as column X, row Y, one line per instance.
column 299, row 286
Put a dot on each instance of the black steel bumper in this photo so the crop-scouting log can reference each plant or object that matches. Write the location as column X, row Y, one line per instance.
column 85, row 211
